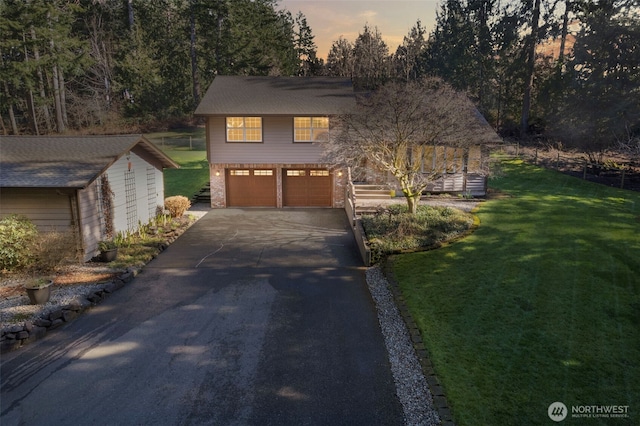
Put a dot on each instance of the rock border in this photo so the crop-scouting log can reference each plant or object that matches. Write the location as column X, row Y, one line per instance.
column 437, row 391
column 17, row 336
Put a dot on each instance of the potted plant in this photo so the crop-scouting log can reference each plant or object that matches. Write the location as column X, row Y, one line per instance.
column 108, row 250
column 38, row 290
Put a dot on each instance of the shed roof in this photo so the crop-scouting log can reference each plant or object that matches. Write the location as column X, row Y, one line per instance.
column 277, row 96
column 66, row 161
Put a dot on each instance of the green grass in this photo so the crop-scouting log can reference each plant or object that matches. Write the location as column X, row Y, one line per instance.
column 187, row 148
column 540, row 304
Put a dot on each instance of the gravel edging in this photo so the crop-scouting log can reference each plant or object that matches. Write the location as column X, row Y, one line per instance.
column 417, row 386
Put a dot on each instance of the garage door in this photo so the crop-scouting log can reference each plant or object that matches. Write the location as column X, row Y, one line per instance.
column 251, row 188
column 306, row 188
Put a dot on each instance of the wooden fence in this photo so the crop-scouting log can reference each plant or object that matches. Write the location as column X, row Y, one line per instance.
column 578, row 165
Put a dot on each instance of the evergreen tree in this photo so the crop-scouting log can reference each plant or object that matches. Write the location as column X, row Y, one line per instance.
column 38, row 52
column 340, row 60
column 306, row 48
column 449, row 52
column 601, row 106
column 407, row 64
column 371, row 65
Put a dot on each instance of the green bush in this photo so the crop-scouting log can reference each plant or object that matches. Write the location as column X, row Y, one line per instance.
column 17, row 236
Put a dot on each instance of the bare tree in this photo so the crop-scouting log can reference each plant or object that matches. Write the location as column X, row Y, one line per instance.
column 398, row 124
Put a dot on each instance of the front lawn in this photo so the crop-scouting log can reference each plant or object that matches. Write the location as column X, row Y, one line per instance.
column 540, row 304
column 187, row 148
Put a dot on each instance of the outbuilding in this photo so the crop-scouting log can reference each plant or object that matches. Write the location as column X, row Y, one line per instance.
column 94, row 186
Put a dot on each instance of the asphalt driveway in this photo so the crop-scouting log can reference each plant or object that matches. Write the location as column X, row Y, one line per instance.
column 253, row 316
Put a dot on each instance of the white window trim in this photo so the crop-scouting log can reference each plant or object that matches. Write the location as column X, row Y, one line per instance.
column 244, row 130
column 295, row 140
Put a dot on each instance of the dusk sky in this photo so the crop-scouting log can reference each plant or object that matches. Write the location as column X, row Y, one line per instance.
column 330, row 19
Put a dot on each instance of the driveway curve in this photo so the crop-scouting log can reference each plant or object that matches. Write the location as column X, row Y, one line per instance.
column 251, row 317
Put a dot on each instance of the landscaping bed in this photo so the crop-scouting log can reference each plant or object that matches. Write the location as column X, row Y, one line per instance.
column 393, row 230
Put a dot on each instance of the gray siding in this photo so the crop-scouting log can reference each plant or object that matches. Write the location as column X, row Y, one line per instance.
column 277, row 146
column 48, row 209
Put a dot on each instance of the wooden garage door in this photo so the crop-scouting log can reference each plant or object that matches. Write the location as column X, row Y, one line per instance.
column 306, row 188
column 251, row 188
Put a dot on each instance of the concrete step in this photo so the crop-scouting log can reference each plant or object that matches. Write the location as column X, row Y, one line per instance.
column 367, row 210
column 372, row 196
column 203, row 196
column 371, row 192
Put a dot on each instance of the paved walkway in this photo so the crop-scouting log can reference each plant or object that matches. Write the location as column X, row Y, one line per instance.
column 459, row 203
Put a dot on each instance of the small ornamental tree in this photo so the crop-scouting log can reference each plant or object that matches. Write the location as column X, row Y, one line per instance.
column 393, row 127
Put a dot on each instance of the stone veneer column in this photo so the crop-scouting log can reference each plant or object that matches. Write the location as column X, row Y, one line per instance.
column 217, row 181
column 339, row 185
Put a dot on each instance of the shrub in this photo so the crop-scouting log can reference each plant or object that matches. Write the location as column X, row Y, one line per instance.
column 17, row 235
column 395, row 230
column 50, row 249
column 177, row 205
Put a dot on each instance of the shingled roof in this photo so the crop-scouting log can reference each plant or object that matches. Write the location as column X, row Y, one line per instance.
column 66, row 161
column 240, row 95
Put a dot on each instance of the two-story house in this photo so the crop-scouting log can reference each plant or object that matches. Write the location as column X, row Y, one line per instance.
column 265, row 140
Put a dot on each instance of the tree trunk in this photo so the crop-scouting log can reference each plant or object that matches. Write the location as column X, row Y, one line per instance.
column 194, row 57
column 57, row 100
column 412, row 203
column 63, row 97
column 30, row 103
column 531, row 60
column 4, row 129
column 565, row 30
column 12, row 116
column 32, row 113
column 43, row 94
column 130, row 13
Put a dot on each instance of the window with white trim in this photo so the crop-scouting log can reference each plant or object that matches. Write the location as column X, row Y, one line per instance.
column 310, row 129
column 244, row 129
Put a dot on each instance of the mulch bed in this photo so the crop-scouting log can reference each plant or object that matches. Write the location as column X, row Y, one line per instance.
column 11, row 285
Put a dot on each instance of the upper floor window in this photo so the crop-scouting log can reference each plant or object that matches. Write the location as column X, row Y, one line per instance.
column 244, row 129
column 310, row 129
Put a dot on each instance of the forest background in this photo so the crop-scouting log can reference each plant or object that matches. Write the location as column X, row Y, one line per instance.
column 560, row 71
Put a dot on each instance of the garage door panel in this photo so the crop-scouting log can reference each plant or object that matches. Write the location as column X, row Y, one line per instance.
column 307, row 188
column 251, row 188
